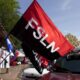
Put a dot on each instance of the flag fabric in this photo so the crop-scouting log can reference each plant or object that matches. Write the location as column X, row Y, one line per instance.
column 33, row 58
column 9, row 45
column 36, row 30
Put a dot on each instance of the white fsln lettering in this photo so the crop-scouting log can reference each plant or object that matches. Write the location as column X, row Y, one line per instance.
column 39, row 35
column 30, row 24
column 44, row 38
column 52, row 46
column 39, row 29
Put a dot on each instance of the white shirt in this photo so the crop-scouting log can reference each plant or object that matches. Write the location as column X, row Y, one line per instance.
column 5, row 56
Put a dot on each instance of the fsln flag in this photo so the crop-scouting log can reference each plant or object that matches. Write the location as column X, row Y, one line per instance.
column 9, row 45
column 33, row 58
column 37, row 30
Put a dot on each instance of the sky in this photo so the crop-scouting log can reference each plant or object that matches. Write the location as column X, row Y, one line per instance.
column 64, row 13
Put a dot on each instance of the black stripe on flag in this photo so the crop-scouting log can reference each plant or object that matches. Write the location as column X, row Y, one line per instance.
column 33, row 58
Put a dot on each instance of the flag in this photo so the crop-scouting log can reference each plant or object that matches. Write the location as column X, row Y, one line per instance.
column 9, row 45
column 33, row 57
column 36, row 30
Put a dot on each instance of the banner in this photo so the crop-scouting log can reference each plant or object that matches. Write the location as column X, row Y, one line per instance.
column 36, row 30
column 9, row 45
column 33, row 57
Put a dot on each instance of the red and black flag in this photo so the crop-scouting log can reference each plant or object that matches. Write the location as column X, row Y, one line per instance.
column 32, row 57
column 36, row 30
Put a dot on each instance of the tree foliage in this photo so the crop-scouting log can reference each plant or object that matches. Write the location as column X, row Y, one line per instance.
column 73, row 40
column 9, row 13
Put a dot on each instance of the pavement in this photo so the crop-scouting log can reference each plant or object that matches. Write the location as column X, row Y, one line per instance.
column 14, row 72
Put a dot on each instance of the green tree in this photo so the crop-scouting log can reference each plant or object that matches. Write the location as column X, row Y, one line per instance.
column 9, row 13
column 72, row 39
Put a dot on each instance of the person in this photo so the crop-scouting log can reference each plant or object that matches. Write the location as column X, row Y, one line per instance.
column 1, row 58
column 5, row 59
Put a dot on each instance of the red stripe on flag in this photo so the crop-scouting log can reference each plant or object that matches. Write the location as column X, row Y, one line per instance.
column 36, row 12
